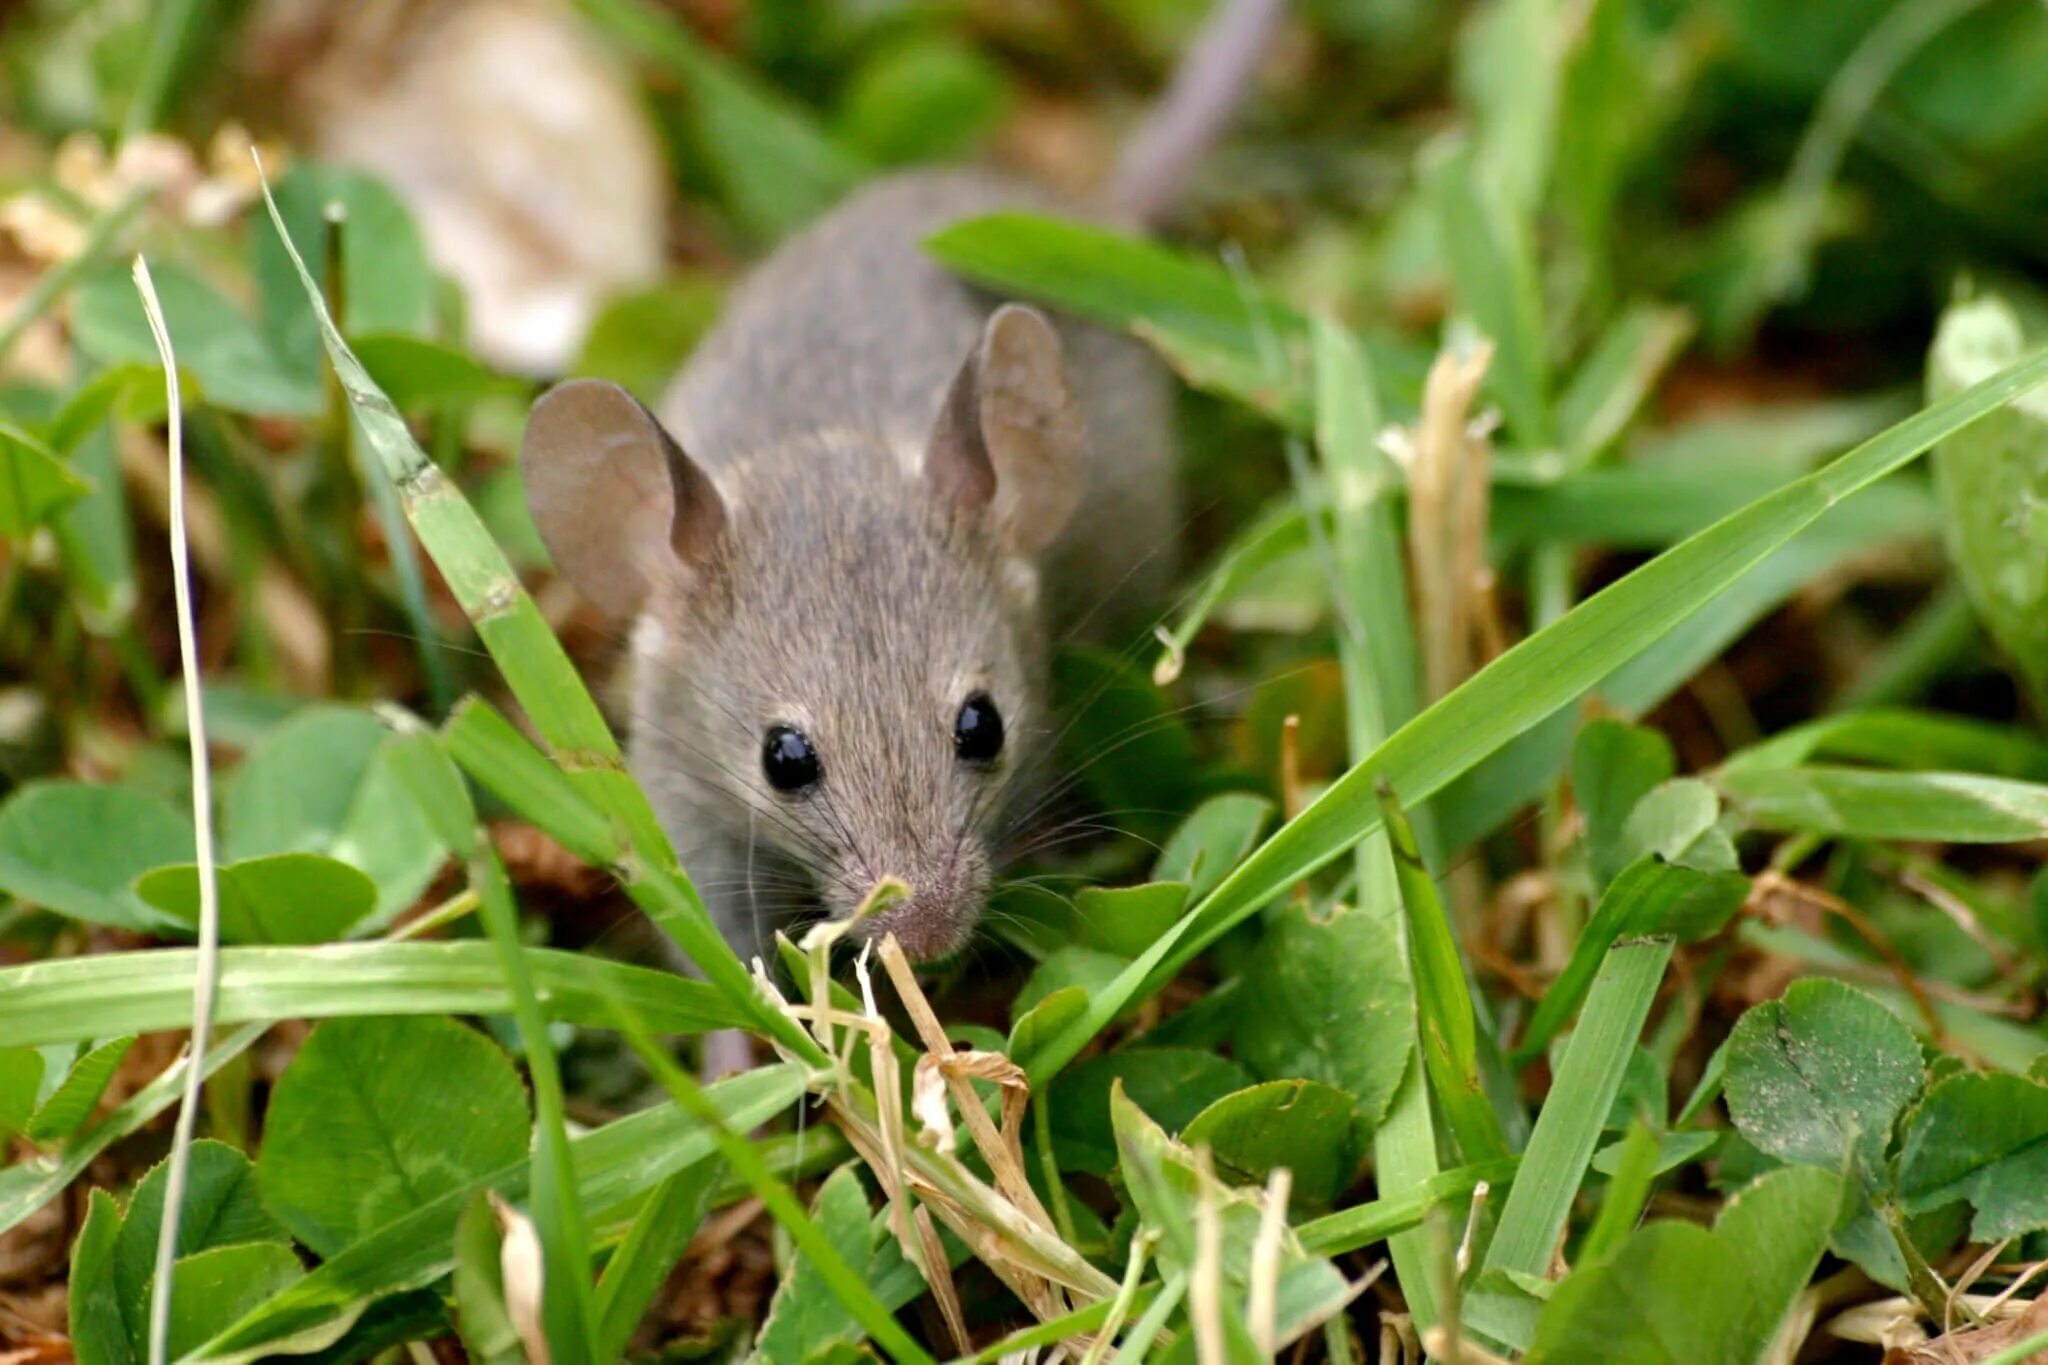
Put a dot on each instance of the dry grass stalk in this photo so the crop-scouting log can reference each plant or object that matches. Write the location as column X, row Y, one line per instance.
column 1205, row 1281
column 1448, row 507
column 1004, row 1225
column 1262, row 1305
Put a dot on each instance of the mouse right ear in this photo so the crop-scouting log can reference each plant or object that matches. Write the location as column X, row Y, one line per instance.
column 614, row 496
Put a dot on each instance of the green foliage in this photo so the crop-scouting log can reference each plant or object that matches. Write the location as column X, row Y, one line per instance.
column 1979, row 1137
column 805, row 1318
column 1992, row 480
column 77, row 848
column 282, row 898
column 1821, row 1076
column 349, row 1147
column 1675, row 1292
column 1771, row 701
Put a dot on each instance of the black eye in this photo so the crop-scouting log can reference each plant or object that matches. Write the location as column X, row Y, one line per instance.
column 978, row 730
column 790, row 759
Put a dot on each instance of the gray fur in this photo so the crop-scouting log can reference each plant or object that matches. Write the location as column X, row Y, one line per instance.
column 829, row 570
column 850, row 600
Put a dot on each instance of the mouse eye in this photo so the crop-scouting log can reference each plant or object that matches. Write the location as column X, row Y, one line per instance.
column 978, row 730
column 790, row 759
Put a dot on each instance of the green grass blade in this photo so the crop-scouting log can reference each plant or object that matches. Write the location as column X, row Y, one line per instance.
column 660, row 1232
column 28, row 1185
column 1443, row 999
column 539, row 672
column 1494, row 265
column 1376, row 648
column 1388, row 1216
column 1860, row 803
column 782, row 1204
column 1526, row 684
column 1899, row 737
column 615, row 1163
column 488, row 747
column 1568, row 1129
column 1627, row 1191
column 1270, row 537
column 776, row 163
column 1018, row 1344
column 77, row 998
column 568, row 1310
column 1642, row 899
column 1609, row 388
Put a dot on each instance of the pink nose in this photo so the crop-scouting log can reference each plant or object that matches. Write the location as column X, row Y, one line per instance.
column 937, row 919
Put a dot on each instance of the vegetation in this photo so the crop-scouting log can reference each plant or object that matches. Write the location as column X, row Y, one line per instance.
column 1564, row 884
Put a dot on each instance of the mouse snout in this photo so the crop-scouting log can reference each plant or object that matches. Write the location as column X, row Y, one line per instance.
column 944, row 905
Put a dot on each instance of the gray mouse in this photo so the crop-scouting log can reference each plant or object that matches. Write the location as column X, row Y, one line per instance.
column 871, row 495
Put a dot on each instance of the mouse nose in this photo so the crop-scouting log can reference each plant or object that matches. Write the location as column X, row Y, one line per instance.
column 941, row 912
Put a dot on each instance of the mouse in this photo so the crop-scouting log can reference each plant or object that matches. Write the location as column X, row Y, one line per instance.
column 843, row 541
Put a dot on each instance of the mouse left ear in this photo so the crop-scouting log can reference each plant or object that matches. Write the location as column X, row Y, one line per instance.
column 1009, row 439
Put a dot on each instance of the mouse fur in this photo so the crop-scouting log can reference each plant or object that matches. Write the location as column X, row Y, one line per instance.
column 873, row 493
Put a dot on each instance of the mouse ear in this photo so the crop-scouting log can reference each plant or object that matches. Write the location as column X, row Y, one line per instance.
column 613, row 495
column 1009, row 439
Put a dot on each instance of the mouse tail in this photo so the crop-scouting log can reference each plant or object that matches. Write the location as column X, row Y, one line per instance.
column 1207, row 89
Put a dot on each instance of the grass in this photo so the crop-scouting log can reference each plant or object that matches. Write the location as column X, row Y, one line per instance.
column 1563, row 575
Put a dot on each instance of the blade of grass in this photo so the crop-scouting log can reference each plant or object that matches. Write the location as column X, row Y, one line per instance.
column 782, row 1204
column 205, row 978
column 1272, row 536
column 68, row 1000
column 660, row 1232
column 1568, row 1128
column 568, row 1309
column 540, row 674
column 1923, row 649
column 776, row 163
column 491, row 750
column 1523, row 686
column 1644, row 898
column 1899, row 737
column 1376, row 650
column 1443, row 999
column 171, row 26
column 614, row 1163
column 1861, row 803
column 1018, row 1344
column 1627, row 1191
column 1349, row 1229
column 1493, row 264
column 28, row 1185
column 1610, row 386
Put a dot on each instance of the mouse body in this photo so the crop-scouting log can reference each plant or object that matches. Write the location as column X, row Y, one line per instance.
column 896, row 489
column 871, row 496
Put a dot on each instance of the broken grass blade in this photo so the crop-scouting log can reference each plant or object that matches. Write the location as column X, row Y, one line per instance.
column 205, row 979
column 1349, row 1229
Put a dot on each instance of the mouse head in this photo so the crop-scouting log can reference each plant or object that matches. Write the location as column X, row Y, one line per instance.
column 837, row 645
